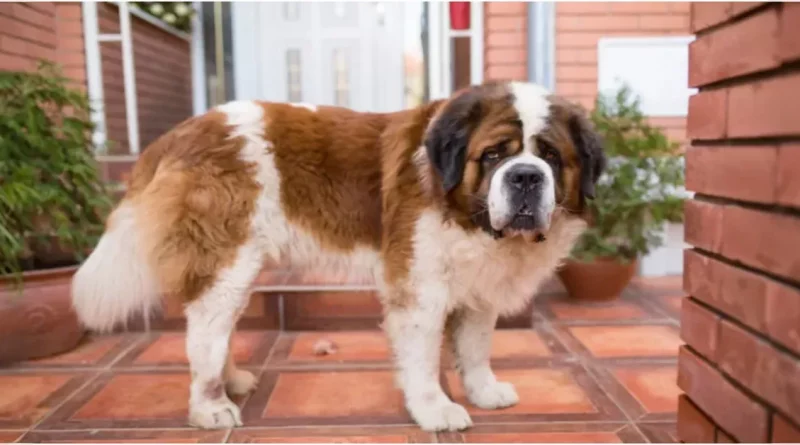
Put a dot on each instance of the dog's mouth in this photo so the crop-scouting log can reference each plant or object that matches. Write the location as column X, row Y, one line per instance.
column 529, row 224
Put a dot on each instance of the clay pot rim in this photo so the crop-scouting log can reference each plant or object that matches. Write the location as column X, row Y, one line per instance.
column 602, row 259
column 39, row 276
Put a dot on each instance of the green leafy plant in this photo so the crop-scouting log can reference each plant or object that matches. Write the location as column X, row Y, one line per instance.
column 641, row 189
column 52, row 199
column 176, row 14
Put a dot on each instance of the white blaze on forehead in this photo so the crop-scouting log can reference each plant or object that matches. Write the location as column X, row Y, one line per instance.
column 533, row 108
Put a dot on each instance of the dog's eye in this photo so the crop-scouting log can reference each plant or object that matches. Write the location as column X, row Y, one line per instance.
column 493, row 154
column 548, row 153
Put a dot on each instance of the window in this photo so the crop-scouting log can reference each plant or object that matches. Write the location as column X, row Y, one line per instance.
column 294, row 86
column 341, row 79
column 291, row 11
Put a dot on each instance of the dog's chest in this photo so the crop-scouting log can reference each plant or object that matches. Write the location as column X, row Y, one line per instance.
column 498, row 276
column 482, row 272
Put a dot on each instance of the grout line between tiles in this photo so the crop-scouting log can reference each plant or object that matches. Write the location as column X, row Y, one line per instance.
column 58, row 406
column 588, row 366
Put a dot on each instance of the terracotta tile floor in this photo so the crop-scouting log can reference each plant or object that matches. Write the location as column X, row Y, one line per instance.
column 585, row 373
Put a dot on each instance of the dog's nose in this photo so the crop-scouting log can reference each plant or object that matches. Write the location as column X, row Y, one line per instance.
column 525, row 177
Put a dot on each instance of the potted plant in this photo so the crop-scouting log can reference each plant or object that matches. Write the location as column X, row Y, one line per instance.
column 52, row 208
column 640, row 191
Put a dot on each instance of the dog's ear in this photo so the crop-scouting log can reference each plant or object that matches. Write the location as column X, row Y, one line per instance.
column 589, row 145
column 446, row 142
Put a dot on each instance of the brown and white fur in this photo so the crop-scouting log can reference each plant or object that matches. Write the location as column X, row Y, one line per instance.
column 459, row 209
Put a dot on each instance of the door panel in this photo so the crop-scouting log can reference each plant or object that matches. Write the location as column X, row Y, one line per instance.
column 325, row 53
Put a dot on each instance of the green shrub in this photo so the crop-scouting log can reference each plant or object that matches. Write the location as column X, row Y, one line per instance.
column 641, row 188
column 51, row 195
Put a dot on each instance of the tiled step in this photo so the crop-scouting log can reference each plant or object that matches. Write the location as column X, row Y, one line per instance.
column 309, row 301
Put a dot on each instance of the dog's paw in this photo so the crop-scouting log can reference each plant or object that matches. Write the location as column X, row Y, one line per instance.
column 494, row 396
column 216, row 414
column 240, row 382
column 441, row 416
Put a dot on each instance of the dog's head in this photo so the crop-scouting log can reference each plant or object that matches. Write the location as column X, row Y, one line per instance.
column 507, row 155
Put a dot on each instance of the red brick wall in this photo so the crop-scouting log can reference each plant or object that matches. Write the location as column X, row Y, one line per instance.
column 163, row 80
column 70, row 52
column 30, row 32
column 505, row 41
column 740, row 367
column 579, row 27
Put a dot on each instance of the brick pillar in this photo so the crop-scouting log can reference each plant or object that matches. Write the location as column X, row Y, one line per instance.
column 740, row 367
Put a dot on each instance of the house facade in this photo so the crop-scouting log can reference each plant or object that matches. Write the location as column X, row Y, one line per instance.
column 145, row 76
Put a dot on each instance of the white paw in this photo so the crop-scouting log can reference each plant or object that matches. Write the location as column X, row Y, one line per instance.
column 216, row 414
column 494, row 396
column 440, row 416
column 240, row 382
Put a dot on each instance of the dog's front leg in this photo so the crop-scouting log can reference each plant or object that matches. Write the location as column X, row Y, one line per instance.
column 415, row 330
column 469, row 334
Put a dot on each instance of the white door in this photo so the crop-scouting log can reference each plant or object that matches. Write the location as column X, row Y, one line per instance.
column 324, row 53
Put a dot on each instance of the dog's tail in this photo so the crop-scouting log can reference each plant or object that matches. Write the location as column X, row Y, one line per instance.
column 116, row 282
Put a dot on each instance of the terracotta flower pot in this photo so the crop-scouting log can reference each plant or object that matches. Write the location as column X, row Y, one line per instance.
column 39, row 321
column 600, row 280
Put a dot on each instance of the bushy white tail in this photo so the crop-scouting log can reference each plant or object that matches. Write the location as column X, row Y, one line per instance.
column 116, row 281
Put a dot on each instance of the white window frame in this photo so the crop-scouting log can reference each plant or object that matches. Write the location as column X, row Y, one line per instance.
column 440, row 59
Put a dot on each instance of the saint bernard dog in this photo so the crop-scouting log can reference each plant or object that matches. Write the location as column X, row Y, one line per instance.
column 459, row 209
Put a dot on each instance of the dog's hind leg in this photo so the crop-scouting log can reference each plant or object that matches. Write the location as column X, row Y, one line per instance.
column 211, row 320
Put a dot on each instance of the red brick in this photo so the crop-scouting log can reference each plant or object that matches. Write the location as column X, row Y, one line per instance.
column 11, row 45
column 32, row 17
column 19, row 29
column 640, row 7
column 576, row 88
column 501, row 23
column 506, row 8
column 747, row 46
column 788, row 176
column 596, row 22
column 766, row 241
column 506, row 72
column 706, row 115
column 506, row 56
column 45, row 7
column 782, row 313
column 790, row 32
column 693, row 425
column 723, row 437
column 578, row 39
column 729, row 289
column 770, row 374
column 739, row 8
column 573, row 73
column 783, row 431
column 746, row 173
column 9, row 62
column 582, row 7
column 729, row 408
column 699, row 328
column 765, row 108
column 505, row 40
column 670, row 22
column 703, row 224
column 69, row 11
column 706, row 14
